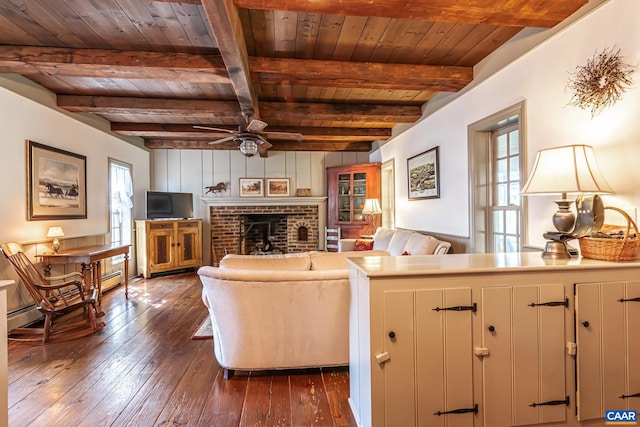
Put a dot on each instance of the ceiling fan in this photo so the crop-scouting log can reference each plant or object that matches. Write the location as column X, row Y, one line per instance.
column 251, row 136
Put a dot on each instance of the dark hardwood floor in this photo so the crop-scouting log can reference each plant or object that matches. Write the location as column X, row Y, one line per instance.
column 143, row 369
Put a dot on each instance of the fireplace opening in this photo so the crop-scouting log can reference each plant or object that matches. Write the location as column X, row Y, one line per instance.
column 263, row 234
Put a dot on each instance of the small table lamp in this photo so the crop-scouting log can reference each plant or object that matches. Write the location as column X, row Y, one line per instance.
column 566, row 169
column 55, row 232
column 371, row 209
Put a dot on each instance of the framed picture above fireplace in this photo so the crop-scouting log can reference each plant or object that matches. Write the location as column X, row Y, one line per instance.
column 251, row 187
column 277, row 187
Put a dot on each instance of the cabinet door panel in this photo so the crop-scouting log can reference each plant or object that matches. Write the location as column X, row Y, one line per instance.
column 552, row 353
column 526, row 369
column 588, row 360
column 444, row 354
column 399, row 374
column 188, row 247
column 612, row 340
column 430, row 353
column 539, row 354
column 633, row 343
column 608, row 348
column 161, row 244
column 497, row 366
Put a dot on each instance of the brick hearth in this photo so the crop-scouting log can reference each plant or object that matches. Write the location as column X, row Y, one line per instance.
column 227, row 226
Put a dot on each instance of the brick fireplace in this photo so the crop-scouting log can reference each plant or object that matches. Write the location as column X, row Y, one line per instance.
column 240, row 226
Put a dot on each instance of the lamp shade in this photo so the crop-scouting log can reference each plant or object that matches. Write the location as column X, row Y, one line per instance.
column 371, row 206
column 55, row 232
column 566, row 169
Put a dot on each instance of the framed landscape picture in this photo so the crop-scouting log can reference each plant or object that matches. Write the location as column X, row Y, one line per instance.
column 277, row 187
column 56, row 183
column 251, row 187
column 423, row 175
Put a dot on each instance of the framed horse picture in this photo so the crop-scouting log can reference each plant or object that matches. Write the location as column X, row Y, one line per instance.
column 56, row 183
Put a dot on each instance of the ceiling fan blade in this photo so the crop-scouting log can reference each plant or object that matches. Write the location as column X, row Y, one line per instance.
column 290, row 136
column 213, row 129
column 221, row 140
column 265, row 144
column 256, row 125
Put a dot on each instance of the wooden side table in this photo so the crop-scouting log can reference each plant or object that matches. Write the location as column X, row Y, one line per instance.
column 90, row 257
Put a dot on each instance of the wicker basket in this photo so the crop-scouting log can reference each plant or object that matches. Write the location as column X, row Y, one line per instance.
column 625, row 249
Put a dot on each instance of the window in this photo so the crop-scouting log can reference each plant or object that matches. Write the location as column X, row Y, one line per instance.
column 505, row 225
column 121, row 190
column 496, row 161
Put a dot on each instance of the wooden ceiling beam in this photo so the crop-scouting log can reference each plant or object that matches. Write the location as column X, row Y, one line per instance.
column 196, row 108
column 515, row 13
column 171, row 66
column 301, row 111
column 187, row 144
column 359, row 74
column 199, row 108
column 187, row 131
column 114, row 64
column 226, row 26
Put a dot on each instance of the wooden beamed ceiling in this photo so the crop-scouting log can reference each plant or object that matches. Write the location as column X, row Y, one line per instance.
column 340, row 73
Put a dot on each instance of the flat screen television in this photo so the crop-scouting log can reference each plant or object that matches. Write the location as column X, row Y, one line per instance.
column 165, row 204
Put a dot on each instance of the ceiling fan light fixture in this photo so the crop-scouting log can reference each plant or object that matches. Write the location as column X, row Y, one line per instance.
column 248, row 147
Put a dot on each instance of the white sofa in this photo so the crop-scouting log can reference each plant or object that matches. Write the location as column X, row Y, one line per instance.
column 280, row 311
column 401, row 242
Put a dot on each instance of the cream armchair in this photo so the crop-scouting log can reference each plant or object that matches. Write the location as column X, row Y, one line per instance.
column 280, row 311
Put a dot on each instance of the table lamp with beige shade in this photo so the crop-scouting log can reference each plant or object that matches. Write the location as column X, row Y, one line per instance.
column 55, row 232
column 564, row 170
column 371, row 209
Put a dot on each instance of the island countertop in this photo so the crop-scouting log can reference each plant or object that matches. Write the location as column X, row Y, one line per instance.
column 384, row 266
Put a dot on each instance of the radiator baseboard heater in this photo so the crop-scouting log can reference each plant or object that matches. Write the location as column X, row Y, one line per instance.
column 111, row 279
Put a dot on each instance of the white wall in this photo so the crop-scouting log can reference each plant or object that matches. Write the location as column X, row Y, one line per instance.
column 23, row 119
column 539, row 77
column 28, row 112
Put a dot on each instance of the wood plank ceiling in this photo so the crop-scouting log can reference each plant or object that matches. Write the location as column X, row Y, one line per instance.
column 341, row 73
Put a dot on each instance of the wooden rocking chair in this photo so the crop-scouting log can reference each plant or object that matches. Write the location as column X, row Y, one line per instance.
column 53, row 297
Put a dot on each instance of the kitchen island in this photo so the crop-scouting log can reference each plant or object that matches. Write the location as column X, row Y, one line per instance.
column 492, row 340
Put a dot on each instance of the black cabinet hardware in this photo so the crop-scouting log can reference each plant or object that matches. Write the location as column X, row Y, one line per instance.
column 491, row 328
column 626, row 396
column 636, row 299
column 552, row 403
column 473, row 308
column 459, row 411
column 564, row 303
column 392, row 335
column 585, row 324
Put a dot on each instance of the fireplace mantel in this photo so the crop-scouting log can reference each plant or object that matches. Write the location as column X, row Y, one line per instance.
column 263, row 201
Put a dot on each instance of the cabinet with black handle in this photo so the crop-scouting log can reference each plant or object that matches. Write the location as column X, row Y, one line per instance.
column 484, row 340
column 608, row 348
